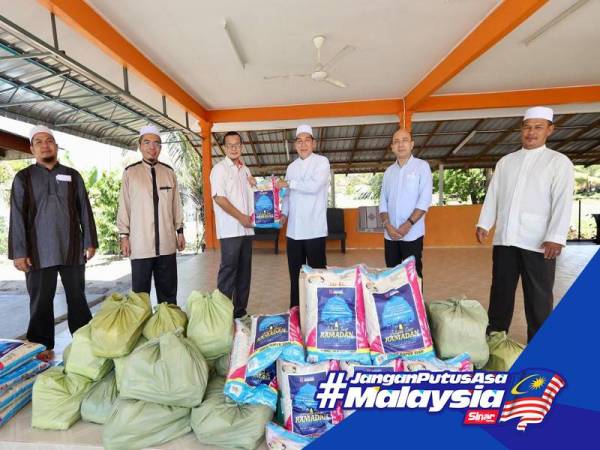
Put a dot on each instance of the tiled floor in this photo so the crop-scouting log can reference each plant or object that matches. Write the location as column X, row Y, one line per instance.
column 448, row 273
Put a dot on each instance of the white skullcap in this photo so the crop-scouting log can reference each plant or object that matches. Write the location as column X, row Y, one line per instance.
column 149, row 129
column 304, row 129
column 39, row 129
column 539, row 112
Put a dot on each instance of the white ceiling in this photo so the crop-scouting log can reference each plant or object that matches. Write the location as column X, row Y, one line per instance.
column 397, row 42
column 568, row 54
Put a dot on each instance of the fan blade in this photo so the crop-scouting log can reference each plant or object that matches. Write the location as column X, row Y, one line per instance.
column 339, row 55
column 289, row 75
column 337, row 83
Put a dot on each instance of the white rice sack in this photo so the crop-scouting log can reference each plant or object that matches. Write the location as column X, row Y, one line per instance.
column 14, row 353
column 298, row 384
column 278, row 438
column 460, row 363
column 396, row 319
column 335, row 315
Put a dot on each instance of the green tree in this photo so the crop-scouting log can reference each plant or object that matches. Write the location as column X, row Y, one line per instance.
column 103, row 191
column 462, row 185
column 187, row 163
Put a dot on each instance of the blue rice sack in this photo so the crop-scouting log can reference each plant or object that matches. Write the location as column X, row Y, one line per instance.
column 28, row 370
column 14, row 407
column 14, row 353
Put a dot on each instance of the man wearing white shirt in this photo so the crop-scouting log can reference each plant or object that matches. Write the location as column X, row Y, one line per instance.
column 405, row 198
column 305, row 208
column 233, row 200
column 529, row 201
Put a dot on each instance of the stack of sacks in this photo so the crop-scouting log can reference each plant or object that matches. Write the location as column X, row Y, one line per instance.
column 335, row 315
column 18, row 369
column 503, row 351
column 160, row 382
column 118, row 325
column 221, row 422
column 458, row 326
column 298, row 384
column 259, row 389
column 267, row 204
column 210, row 324
column 397, row 324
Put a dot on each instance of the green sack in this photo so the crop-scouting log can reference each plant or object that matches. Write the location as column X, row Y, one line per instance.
column 458, row 326
column 119, row 323
column 99, row 401
column 121, row 362
column 82, row 361
column 65, row 355
column 166, row 318
column 503, row 351
column 221, row 422
column 211, row 323
column 169, row 370
column 57, row 398
column 222, row 366
column 134, row 424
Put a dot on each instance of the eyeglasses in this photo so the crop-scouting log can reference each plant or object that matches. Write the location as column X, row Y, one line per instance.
column 233, row 146
column 151, row 143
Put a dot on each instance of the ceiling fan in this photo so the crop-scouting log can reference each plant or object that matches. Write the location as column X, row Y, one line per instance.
column 321, row 71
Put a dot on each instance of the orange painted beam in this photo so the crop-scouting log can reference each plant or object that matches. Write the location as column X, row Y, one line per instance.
column 500, row 22
column 209, row 213
column 307, row 111
column 10, row 141
column 83, row 18
column 512, row 99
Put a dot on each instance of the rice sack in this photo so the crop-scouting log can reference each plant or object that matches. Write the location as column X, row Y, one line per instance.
column 267, row 205
column 335, row 315
column 298, row 384
column 396, row 319
column 272, row 337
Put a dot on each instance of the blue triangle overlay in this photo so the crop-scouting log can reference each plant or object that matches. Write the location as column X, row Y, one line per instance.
column 566, row 344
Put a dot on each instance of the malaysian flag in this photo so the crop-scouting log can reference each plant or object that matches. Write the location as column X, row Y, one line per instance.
column 531, row 396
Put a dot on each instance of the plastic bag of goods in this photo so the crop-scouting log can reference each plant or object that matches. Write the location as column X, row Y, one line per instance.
column 396, row 319
column 267, row 204
column 135, row 424
column 81, row 359
column 14, row 353
column 57, row 399
column 278, row 438
column 210, row 324
column 298, row 384
column 503, row 351
column 352, row 367
column 335, row 316
column 272, row 337
column 258, row 389
column 119, row 323
column 99, row 401
column 457, row 326
column 460, row 363
column 25, row 371
column 166, row 318
column 121, row 363
column 169, row 370
column 221, row 422
column 14, row 406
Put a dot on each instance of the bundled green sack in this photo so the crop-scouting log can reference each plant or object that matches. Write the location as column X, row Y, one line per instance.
column 211, row 323
column 82, row 361
column 503, row 351
column 166, row 318
column 169, row 370
column 119, row 323
column 57, row 398
column 134, row 424
column 458, row 326
column 65, row 355
column 221, row 422
column 222, row 366
column 99, row 401
column 121, row 362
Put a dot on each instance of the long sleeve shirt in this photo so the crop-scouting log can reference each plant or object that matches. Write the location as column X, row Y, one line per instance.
column 529, row 199
column 230, row 180
column 404, row 189
column 150, row 209
column 51, row 219
column 306, row 204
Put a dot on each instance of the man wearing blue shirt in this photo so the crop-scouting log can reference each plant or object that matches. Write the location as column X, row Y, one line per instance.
column 405, row 198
